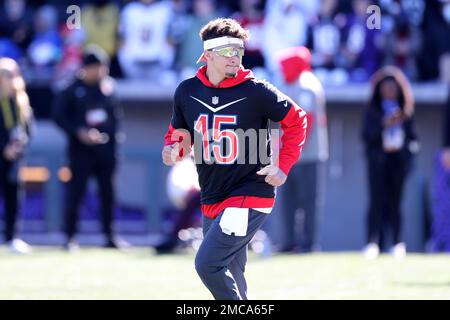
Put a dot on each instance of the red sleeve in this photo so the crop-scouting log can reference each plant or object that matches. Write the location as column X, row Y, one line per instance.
column 168, row 137
column 178, row 135
column 294, row 126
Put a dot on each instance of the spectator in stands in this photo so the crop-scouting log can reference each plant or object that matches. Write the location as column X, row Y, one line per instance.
column 15, row 23
column 9, row 50
column 145, row 51
column 71, row 59
column 285, row 26
column 446, row 155
column 390, row 142
column 16, row 119
column 324, row 40
column 402, row 38
column 177, row 27
column 251, row 17
column 440, row 229
column 190, row 46
column 99, row 20
column 87, row 113
column 436, row 28
column 360, row 44
column 46, row 46
column 183, row 191
column 302, row 196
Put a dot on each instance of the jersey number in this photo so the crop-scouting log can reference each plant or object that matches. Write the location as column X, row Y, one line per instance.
column 201, row 126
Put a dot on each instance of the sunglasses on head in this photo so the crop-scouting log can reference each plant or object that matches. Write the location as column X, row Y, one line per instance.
column 229, row 52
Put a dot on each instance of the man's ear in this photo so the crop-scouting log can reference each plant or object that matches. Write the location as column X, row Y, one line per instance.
column 208, row 54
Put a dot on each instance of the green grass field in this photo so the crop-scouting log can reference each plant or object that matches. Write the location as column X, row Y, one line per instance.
column 93, row 273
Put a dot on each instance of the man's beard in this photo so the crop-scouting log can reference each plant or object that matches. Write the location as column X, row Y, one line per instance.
column 230, row 74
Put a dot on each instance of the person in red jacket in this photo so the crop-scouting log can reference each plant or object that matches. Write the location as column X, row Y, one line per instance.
column 303, row 195
column 224, row 112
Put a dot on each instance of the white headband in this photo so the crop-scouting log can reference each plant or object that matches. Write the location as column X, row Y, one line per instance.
column 222, row 41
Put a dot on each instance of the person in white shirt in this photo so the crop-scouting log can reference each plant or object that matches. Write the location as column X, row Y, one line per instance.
column 145, row 49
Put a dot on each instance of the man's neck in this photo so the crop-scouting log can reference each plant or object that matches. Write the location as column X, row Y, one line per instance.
column 213, row 77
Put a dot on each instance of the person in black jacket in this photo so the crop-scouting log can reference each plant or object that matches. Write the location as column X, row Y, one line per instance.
column 86, row 112
column 16, row 118
column 390, row 140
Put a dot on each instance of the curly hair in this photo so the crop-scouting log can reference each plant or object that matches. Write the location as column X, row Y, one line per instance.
column 223, row 27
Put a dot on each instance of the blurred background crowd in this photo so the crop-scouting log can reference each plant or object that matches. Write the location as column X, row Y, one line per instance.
column 147, row 35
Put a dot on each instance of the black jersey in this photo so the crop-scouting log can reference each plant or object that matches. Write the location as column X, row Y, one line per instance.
column 229, row 162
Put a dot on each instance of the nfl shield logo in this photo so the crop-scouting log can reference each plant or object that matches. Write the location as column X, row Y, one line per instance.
column 215, row 100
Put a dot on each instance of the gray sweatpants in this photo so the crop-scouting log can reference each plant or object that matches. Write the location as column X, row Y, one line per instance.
column 221, row 258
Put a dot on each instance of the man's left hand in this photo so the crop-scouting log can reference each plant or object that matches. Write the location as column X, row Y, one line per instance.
column 274, row 175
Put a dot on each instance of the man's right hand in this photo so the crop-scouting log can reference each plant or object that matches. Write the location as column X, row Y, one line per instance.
column 90, row 137
column 171, row 154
